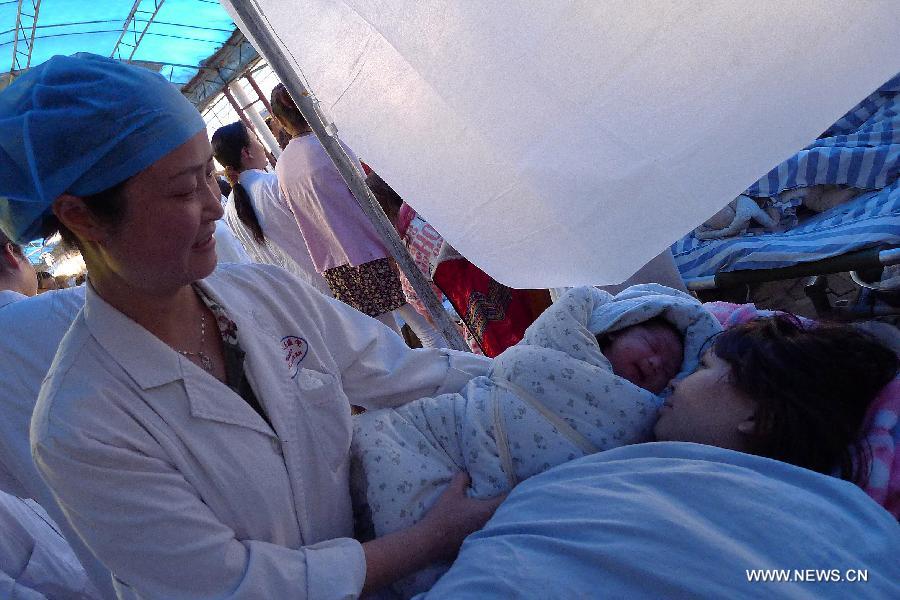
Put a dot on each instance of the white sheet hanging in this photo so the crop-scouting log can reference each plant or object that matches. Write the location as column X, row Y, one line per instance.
column 567, row 143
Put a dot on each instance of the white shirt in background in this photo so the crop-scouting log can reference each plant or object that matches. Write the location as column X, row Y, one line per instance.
column 36, row 562
column 228, row 248
column 285, row 246
column 32, row 330
column 9, row 296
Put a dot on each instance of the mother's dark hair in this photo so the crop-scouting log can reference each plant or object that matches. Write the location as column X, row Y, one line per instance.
column 812, row 386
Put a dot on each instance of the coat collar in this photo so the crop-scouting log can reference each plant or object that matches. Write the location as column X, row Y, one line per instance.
column 146, row 359
column 262, row 360
column 152, row 363
column 9, row 296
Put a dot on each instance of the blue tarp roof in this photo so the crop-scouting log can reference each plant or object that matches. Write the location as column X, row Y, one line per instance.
column 180, row 35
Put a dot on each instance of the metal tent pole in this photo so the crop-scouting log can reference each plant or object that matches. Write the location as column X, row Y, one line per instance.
column 269, row 48
column 262, row 98
column 226, row 91
column 259, row 123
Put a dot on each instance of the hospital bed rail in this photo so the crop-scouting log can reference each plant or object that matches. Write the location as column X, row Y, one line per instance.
column 861, row 260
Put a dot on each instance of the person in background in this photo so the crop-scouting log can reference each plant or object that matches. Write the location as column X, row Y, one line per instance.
column 413, row 234
column 17, row 277
column 35, row 560
column 230, row 249
column 224, row 186
column 494, row 316
column 46, row 282
column 343, row 243
column 282, row 136
column 256, row 211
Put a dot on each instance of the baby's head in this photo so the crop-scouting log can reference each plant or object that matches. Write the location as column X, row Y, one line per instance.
column 648, row 354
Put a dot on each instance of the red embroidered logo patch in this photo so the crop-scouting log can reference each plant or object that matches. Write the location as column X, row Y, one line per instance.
column 295, row 349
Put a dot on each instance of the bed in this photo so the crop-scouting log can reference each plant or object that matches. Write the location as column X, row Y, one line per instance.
column 860, row 152
column 680, row 520
column 869, row 221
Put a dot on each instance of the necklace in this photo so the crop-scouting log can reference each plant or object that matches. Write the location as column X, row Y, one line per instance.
column 203, row 357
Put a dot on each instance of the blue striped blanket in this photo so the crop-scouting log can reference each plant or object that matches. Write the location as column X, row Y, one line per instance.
column 860, row 150
column 871, row 219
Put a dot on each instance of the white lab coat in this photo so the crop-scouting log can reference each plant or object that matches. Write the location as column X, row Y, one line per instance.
column 285, row 246
column 7, row 297
column 35, row 559
column 32, row 330
column 228, row 248
column 180, row 487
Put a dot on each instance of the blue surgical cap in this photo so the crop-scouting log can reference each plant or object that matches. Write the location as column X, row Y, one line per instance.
column 82, row 124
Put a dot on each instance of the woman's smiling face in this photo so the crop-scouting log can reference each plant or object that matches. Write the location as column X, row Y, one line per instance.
column 706, row 408
column 165, row 239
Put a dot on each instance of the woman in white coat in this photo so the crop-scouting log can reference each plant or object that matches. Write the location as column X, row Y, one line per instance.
column 256, row 212
column 194, row 425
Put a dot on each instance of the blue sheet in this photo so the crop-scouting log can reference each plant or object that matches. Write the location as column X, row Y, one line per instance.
column 861, row 150
column 678, row 520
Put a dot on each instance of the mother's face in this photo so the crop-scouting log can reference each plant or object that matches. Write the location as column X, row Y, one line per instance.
column 706, row 408
column 165, row 239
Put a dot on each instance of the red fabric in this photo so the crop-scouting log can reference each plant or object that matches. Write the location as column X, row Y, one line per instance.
column 405, row 216
column 497, row 316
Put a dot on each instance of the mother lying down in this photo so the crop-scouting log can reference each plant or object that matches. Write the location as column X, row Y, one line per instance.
column 769, row 387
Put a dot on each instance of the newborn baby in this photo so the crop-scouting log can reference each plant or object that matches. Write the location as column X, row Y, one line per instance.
column 584, row 378
column 648, row 355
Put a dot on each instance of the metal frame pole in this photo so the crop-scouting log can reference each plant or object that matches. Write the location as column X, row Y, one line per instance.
column 350, row 172
column 17, row 66
column 854, row 261
column 12, row 67
column 157, row 4
column 262, row 130
column 36, row 7
column 258, row 91
column 243, row 116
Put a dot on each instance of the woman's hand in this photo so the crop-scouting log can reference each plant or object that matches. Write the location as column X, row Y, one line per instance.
column 455, row 515
column 436, row 537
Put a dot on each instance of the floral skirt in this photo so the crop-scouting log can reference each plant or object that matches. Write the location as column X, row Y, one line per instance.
column 372, row 288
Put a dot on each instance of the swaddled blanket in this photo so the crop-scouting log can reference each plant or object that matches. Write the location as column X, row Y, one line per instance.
column 550, row 399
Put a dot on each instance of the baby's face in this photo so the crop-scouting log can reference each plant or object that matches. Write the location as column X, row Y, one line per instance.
column 647, row 355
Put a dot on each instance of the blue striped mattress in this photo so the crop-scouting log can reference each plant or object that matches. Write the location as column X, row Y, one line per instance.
column 861, row 150
column 871, row 219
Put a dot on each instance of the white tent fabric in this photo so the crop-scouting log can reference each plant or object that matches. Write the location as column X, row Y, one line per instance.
column 567, row 143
